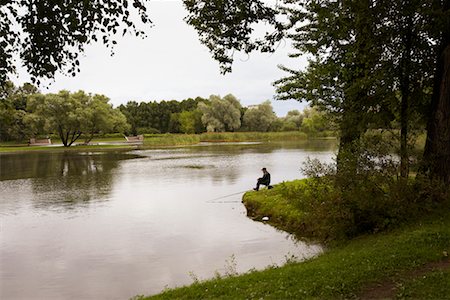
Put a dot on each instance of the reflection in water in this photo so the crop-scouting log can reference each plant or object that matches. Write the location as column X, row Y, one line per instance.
column 61, row 239
column 61, row 180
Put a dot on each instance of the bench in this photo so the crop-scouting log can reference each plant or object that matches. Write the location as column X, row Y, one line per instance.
column 138, row 139
column 39, row 142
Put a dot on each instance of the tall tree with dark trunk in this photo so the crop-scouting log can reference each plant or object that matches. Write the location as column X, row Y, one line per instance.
column 436, row 162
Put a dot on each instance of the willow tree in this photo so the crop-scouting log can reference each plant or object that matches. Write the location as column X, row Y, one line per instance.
column 259, row 118
column 72, row 114
column 221, row 114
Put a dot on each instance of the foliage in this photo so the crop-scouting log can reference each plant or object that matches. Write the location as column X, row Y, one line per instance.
column 100, row 117
column 292, row 121
column 225, row 26
column 363, row 196
column 13, row 112
column 221, row 114
column 72, row 114
column 49, row 36
column 315, row 121
column 191, row 121
column 162, row 116
column 259, row 118
column 318, row 208
column 370, row 62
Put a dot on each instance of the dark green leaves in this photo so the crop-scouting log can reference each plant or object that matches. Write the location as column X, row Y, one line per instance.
column 225, row 26
column 49, row 35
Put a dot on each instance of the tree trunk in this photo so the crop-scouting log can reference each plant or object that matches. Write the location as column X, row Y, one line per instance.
column 437, row 148
column 61, row 136
column 404, row 157
column 75, row 136
column 404, row 105
column 350, row 133
column 89, row 139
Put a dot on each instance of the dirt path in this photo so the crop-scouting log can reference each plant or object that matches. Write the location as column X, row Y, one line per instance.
column 388, row 289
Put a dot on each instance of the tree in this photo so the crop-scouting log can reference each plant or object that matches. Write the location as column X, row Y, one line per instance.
column 294, row 117
column 191, row 121
column 344, row 73
column 259, row 118
column 436, row 161
column 101, row 117
column 155, row 117
column 222, row 114
column 363, row 53
column 13, row 113
column 71, row 115
column 48, row 36
column 314, row 121
column 225, row 26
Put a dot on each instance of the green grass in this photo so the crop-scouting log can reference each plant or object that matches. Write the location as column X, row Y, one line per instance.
column 160, row 140
column 280, row 210
column 435, row 285
column 168, row 139
column 252, row 136
column 341, row 272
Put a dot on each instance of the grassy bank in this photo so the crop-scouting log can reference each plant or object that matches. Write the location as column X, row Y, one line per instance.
column 252, row 136
column 160, row 140
column 410, row 261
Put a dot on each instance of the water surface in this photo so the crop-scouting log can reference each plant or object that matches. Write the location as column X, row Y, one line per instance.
column 110, row 225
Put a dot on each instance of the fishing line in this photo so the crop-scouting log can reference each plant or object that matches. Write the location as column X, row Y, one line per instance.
column 226, row 196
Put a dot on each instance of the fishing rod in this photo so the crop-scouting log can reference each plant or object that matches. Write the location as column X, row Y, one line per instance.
column 226, row 196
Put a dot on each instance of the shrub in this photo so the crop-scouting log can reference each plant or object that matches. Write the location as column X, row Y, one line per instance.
column 363, row 196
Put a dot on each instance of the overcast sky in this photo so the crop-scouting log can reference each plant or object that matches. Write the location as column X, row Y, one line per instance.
column 172, row 64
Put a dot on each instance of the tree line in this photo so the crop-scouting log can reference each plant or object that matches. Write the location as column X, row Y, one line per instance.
column 27, row 113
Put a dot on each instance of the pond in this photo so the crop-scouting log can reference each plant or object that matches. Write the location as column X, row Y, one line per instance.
column 111, row 225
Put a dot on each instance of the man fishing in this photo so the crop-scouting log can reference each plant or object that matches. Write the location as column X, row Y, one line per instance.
column 265, row 180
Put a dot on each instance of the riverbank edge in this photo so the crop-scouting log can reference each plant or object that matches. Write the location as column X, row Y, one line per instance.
column 348, row 270
column 154, row 141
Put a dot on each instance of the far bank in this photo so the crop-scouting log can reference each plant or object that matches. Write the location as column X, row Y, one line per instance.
column 117, row 141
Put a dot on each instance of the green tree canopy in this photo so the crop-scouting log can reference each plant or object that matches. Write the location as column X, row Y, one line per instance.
column 100, row 117
column 72, row 114
column 222, row 114
column 314, row 121
column 191, row 121
column 294, row 118
column 259, row 118
column 13, row 112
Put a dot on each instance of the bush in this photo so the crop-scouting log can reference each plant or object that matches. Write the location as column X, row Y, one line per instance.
column 363, row 196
